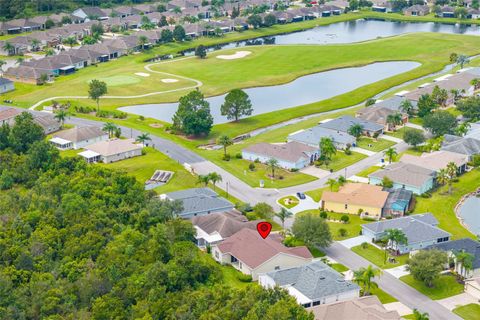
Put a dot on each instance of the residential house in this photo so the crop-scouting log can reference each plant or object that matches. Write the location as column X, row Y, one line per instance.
column 447, row 12
column 363, row 308
column 214, row 228
column 408, row 176
column 6, row 85
column 356, row 198
column 437, row 160
column 252, row 255
column 472, row 287
column 398, row 203
column 47, row 121
column 199, row 202
column 473, row 14
column 382, row 6
column 7, row 115
column 78, row 137
column 327, row 10
column 379, row 114
column 311, row 284
column 344, row 123
column 420, row 230
column 416, row 10
column 91, row 13
column 312, row 136
column 291, row 155
column 111, row 151
column 462, row 245
column 466, row 145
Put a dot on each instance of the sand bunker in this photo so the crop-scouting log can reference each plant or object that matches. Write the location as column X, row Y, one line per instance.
column 169, row 80
column 141, row 74
column 236, row 55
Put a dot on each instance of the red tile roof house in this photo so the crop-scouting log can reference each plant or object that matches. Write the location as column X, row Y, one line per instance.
column 252, row 255
column 291, row 155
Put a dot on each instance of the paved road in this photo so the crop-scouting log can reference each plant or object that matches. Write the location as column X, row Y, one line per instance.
column 401, row 291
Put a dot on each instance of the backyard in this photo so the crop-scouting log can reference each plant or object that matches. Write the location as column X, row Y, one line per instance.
column 445, row 286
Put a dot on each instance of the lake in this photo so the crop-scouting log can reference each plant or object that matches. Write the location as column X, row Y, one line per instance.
column 470, row 213
column 303, row 90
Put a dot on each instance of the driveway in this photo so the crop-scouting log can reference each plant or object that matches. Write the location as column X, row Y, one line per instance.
column 401, row 291
column 398, row 272
column 457, row 301
column 363, row 151
column 305, row 204
column 402, row 309
column 358, row 179
column 390, row 138
column 353, row 242
column 316, row 172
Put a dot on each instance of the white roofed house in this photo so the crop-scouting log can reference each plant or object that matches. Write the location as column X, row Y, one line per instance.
column 78, row 137
column 111, row 151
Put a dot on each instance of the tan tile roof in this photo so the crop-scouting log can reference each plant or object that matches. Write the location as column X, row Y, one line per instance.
column 358, row 194
column 248, row 247
column 225, row 223
column 112, row 147
column 9, row 113
column 291, row 151
column 435, row 160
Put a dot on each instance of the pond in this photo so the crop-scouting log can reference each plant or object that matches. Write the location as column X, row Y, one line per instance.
column 353, row 31
column 303, row 90
column 470, row 213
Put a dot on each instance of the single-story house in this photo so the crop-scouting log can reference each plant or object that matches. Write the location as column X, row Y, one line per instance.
column 405, row 176
column 463, row 145
column 199, row 202
column 111, row 150
column 344, row 123
column 28, row 74
column 463, row 245
column 379, row 115
column 46, row 121
column 420, row 229
column 311, row 284
column 472, row 287
column 7, row 115
column 291, row 155
column 363, row 308
column 437, row 160
column 213, row 228
column 91, row 13
column 416, row 10
column 6, row 85
column 355, row 198
column 447, row 12
column 399, row 201
column 78, row 137
column 252, row 255
column 312, row 136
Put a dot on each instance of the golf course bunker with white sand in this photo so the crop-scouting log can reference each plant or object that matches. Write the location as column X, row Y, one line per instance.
column 169, row 80
column 236, row 55
column 142, row 74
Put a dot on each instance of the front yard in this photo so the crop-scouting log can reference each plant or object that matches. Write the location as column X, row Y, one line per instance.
column 377, row 256
column 366, row 172
column 400, row 132
column 445, row 286
column 468, row 312
column 375, row 145
column 341, row 160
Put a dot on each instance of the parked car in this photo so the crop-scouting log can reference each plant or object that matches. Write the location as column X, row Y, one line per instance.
column 301, row 195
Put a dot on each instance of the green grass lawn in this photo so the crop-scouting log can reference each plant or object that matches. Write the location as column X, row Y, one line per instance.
column 339, row 267
column 366, row 172
column 445, row 286
column 229, row 274
column 442, row 204
column 383, row 296
column 400, row 132
column 468, row 312
column 377, row 256
column 376, row 144
column 416, row 120
column 340, row 160
column 316, row 194
column 289, row 201
column 353, row 227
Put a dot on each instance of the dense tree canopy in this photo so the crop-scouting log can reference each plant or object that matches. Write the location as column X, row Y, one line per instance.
column 193, row 115
column 440, row 123
column 83, row 242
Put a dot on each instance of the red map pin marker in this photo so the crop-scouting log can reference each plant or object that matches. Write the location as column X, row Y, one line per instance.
column 264, row 229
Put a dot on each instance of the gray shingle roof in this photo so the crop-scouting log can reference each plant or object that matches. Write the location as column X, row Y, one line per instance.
column 405, row 173
column 467, row 146
column 313, row 135
column 4, row 81
column 417, row 228
column 199, row 200
column 80, row 133
column 314, row 280
column 344, row 123
column 466, row 244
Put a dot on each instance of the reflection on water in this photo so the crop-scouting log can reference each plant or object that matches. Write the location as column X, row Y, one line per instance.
column 304, row 90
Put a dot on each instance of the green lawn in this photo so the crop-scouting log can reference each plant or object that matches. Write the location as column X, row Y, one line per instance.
column 416, row 120
column 468, row 312
column 339, row 267
column 229, row 274
column 316, row 194
column 376, row 145
column 400, row 132
column 377, row 256
column 366, row 172
column 442, row 204
column 288, row 201
column 383, row 296
column 445, row 286
column 353, row 227
column 340, row 160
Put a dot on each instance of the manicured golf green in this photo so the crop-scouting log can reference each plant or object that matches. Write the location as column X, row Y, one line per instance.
column 121, row 80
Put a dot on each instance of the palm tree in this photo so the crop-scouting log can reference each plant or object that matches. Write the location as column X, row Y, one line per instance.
column 49, row 52
column 34, row 43
column 61, row 115
column 364, row 276
column 442, row 177
column 462, row 60
column 142, row 41
column 452, row 171
column 327, row 149
column 331, row 183
column 205, row 179
column 465, row 260
column 272, row 163
column 407, row 107
column 71, row 41
column 143, row 138
column 8, row 47
column 2, row 63
column 110, row 128
column 283, row 215
column 356, row 130
column 19, row 60
column 341, row 180
column 462, row 129
column 395, row 237
column 456, row 94
column 225, row 141
column 214, row 178
column 390, row 153
column 394, row 120
column 475, row 83
column 417, row 315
